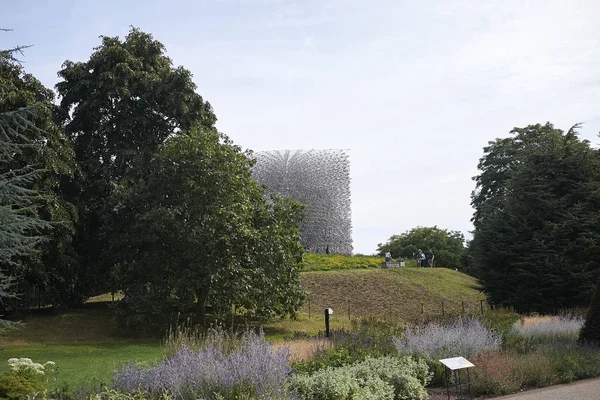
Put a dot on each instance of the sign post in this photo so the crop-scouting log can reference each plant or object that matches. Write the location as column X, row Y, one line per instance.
column 456, row 364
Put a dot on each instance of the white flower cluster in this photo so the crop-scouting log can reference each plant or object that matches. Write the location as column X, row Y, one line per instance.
column 27, row 365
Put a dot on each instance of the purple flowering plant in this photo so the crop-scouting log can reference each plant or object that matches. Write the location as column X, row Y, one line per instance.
column 253, row 369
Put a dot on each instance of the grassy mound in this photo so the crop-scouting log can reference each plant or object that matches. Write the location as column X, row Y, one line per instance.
column 402, row 293
column 86, row 343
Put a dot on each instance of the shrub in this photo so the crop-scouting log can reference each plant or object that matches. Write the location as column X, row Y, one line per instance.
column 375, row 378
column 465, row 337
column 368, row 338
column 26, row 378
column 575, row 362
column 494, row 373
column 500, row 320
column 327, row 262
column 554, row 331
column 253, row 369
column 536, row 369
column 591, row 329
column 194, row 338
column 556, row 328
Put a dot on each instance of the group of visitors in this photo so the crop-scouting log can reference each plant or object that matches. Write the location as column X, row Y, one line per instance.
column 422, row 259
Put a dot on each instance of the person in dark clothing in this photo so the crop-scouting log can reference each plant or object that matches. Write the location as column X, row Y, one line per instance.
column 430, row 257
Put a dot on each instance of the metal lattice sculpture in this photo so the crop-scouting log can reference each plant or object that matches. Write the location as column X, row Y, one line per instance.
column 319, row 179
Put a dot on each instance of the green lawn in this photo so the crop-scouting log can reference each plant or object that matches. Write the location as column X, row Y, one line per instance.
column 81, row 362
column 87, row 344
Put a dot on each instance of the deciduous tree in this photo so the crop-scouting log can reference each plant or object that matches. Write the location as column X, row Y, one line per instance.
column 448, row 246
column 198, row 228
column 123, row 103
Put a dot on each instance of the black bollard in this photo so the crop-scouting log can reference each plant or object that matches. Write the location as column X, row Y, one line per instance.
column 328, row 311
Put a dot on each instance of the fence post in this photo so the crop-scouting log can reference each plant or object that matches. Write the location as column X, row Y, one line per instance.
column 348, row 305
column 481, row 305
column 442, row 308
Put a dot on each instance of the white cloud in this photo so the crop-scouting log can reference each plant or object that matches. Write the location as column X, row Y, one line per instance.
column 413, row 89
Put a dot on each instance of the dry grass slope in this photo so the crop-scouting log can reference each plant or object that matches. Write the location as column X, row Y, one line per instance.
column 402, row 293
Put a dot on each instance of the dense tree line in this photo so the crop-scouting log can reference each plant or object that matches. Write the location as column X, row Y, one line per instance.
column 448, row 246
column 126, row 184
column 536, row 242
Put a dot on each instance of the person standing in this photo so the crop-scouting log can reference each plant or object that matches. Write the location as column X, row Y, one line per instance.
column 388, row 256
column 420, row 258
column 430, row 257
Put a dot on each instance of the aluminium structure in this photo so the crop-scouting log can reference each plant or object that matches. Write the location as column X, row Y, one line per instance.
column 319, row 179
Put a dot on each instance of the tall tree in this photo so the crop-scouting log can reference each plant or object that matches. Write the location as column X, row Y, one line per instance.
column 124, row 102
column 199, row 228
column 50, row 276
column 536, row 219
column 448, row 246
column 20, row 229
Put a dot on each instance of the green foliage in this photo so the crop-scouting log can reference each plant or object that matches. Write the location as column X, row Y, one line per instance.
column 375, row 378
column 590, row 332
column 335, row 357
column 14, row 386
column 51, row 275
column 120, row 105
column 199, row 228
column 536, row 219
column 21, row 229
column 326, row 262
column 500, row 320
column 26, row 379
column 369, row 337
column 448, row 246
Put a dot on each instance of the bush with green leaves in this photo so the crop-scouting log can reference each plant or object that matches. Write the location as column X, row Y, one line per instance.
column 368, row 337
column 26, row 379
column 375, row 378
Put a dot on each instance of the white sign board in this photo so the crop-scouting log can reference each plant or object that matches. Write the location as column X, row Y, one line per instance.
column 457, row 363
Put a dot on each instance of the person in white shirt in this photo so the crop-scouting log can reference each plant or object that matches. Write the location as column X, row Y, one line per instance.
column 388, row 256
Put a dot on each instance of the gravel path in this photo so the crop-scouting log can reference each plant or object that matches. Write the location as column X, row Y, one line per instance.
column 580, row 390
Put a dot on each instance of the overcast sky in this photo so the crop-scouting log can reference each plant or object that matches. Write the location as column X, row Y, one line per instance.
column 414, row 89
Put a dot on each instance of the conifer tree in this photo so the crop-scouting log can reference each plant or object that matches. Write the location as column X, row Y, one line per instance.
column 19, row 225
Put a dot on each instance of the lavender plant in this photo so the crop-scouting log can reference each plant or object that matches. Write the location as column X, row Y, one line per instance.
column 465, row 337
column 560, row 327
column 556, row 331
column 252, row 370
column 193, row 337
